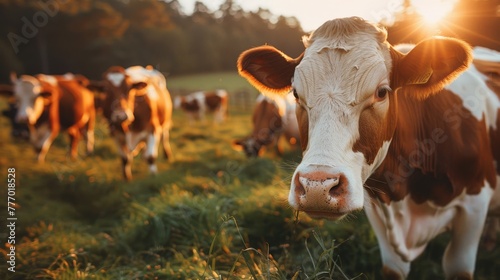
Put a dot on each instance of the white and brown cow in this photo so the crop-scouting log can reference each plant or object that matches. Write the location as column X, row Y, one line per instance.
column 138, row 109
column 50, row 104
column 273, row 117
column 378, row 130
column 197, row 104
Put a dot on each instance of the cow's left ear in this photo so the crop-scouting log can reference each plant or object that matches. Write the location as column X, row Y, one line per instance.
column 139, row 85
column 268, row 69
column 429, row 66
column 139, row 88
column 46, row 97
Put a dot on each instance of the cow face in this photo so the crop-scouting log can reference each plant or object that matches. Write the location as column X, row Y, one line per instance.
column 120, row 96
column 267, row 125
column 345, row 85
column 31, row 98
column 19, row 130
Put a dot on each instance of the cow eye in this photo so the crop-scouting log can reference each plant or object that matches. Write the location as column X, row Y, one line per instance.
column 382, row 92
column 295, row 94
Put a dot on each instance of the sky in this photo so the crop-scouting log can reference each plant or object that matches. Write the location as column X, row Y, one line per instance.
column 312, row 13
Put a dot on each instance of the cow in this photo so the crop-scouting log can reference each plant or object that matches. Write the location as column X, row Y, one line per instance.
column 50, row 104
column 138, row 109
column 197, row 104
column 378, row 129
column 272, row 118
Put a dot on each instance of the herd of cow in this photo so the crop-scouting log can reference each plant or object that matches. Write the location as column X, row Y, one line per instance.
column 138, row 109
column 411, row 133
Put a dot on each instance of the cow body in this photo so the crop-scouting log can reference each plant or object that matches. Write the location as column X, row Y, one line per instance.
column 272, row 118
column 49, row 104
column 139, row 112
column 378, row 129
column 196, row 105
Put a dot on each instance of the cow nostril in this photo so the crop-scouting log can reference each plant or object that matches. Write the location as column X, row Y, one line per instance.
column 336, row 188
column 299, row 188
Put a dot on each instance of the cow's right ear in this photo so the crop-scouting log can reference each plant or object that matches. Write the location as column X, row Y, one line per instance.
column 46, row 95
column 429, row 66
column 268, row 69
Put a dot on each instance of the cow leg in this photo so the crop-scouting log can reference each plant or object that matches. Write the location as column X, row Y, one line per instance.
column 41, row 138
column 490, row 232
column 219, row 115
column 167, row 150
column 127, row 166
column 394, row 267
column 151, row 153
column 125, row 155
column 74, row 137
column 460, row 255
column 88, row 133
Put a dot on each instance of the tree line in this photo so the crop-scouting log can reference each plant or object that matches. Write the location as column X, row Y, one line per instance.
column 88, row 36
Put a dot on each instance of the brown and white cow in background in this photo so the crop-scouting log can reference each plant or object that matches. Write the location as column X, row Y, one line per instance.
column 378, row 130
column 197, row 104
column 273, row 117
column 138, row 109
column 50, row 104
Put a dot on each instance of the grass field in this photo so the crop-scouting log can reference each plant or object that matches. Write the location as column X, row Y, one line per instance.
column 211, row 214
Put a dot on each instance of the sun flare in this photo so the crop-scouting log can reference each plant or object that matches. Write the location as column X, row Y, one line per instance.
column 433, row 11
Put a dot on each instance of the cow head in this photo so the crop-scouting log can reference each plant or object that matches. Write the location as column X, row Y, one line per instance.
column 346, row 85
column 267, row 125
column 32, row 95
column 120, row 96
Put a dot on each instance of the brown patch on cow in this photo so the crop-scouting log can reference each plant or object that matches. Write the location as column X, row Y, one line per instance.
column 142, row 114
column 303, row 121
column 190, row 106
column 375, row 129
column 213, row 101
column 462, row 276
column 435, row 153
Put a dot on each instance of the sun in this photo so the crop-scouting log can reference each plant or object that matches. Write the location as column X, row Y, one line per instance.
column 433, row 11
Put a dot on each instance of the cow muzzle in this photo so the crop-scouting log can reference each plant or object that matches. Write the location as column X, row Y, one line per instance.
column 323, row 192
column 121, row 116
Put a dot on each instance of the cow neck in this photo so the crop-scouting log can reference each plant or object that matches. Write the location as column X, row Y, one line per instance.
column 438, row 150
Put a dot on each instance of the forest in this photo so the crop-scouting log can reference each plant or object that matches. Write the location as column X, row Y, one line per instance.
column 88, row 36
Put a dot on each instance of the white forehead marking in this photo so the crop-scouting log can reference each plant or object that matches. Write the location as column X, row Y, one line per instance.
column 115, row 78
column 27, row 85
column 343, row 63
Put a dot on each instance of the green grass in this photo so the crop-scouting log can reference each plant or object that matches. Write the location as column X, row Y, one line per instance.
column 211, row 214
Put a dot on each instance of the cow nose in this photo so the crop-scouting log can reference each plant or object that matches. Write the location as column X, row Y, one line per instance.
column 119, row 117
column 320, row 193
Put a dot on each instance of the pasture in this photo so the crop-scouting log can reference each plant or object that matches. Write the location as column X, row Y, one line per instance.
column 210, row 214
